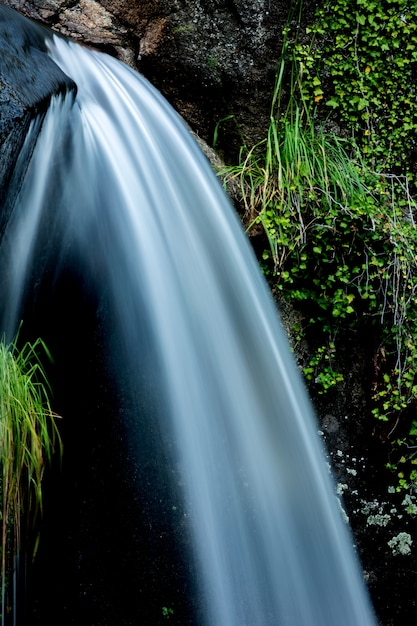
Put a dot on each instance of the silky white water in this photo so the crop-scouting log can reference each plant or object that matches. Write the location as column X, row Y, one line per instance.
column 115, row 175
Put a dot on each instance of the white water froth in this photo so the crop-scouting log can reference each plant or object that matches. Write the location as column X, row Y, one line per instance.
column 130, row 185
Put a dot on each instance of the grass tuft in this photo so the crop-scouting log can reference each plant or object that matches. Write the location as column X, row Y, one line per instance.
column 28, row 439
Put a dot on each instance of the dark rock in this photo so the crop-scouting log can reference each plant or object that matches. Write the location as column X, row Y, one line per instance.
column 212, row 59
column 223, row 56
column 28, row 78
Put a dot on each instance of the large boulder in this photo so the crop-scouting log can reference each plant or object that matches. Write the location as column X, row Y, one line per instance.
column 212, row 59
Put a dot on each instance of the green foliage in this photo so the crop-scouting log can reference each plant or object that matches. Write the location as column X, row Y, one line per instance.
column 337, row 206
column 320, row 369
column 28, row 436
column 361, row 63
column 167, row 612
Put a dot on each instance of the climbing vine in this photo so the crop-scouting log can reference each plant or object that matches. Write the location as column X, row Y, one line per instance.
column 359, row 71
column 360, row 62
column 332, row 187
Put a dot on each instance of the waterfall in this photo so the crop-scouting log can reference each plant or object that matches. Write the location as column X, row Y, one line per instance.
column 116, row 184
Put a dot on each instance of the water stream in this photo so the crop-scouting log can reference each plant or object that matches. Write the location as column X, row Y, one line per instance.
column 116, row 178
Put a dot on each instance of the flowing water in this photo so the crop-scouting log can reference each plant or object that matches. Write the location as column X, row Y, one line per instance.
column 115, row 178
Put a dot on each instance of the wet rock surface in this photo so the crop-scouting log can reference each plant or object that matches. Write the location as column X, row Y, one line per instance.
column 28, row 79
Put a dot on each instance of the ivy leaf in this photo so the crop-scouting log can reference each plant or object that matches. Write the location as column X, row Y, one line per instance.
column 332, row 103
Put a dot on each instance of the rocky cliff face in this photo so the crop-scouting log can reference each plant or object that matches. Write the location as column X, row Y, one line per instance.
column 211, row 58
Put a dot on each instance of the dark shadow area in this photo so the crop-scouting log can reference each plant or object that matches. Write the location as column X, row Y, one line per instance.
column 114, row 543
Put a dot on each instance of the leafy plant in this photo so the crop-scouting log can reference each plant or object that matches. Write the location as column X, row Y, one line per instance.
column 167, row 612
column 361, row 65
column 28, row 438
column 337, row 206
